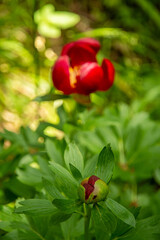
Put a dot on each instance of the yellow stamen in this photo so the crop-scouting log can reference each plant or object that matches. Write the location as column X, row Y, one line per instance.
column 74, row 72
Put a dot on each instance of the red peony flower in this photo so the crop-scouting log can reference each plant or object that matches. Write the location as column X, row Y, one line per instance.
column 77, row 70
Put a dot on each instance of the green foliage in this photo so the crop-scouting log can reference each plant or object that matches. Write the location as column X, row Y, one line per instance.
column 50, row 21
column 66, row 205
column 105, row 164
column 121, row 212
column 62, row 188
column 50, row 97
column 52, row 151
column 75, row 172
column 146, row 229
column 73, row 156
column 36, row 207
column 49, row 142
column 65, row 180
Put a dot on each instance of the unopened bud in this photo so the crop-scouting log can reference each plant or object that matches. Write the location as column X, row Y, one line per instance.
column 92, row 189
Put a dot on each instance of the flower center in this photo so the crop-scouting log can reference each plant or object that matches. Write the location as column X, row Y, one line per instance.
column 74, row 73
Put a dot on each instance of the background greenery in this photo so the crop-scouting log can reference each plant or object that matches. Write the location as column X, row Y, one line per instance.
column 127, row 116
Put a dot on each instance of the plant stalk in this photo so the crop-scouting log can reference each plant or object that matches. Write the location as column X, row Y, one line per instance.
column 87, row 215
column 35, row 51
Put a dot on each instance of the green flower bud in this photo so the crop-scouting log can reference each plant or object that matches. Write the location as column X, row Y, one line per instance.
column 93, row 189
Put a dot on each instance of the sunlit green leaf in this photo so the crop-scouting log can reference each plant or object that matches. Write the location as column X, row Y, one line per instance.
column 73, row 155
column 53, row 152
column 121, row 212
column 50, row 97
column 48, row 30
column 51, row 188
column 146, row 229
column 35, row 207
column 75, row 172
column 105, row 164
column 65, row 181
column 63, row 19
column 66, row 205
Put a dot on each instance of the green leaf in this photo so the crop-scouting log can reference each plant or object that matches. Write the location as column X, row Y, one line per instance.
column 58, row 19
column 133, row 140
column 121, row 212
column 59, row 217
column 103, row 217
column 31, row 136
column 65, row 181
column 21, row 224
column 63, row 19
column 6, row 214
column 50, row 31
column 90, row 140
column 11, row 235
column 41, row 14
column 73, row 228
column 5, row 226
column 111, row 33
column 19, row 188
column 15, row 138
column 73, row 155
column 26, row 232
column 146, row 229
column 75, row 172
column 29, row 176
column 13, row 149
column 66, row 205
column 50, row 97
column 122, row 227
column 150, row 10
column 61, row 171
column 53, row 152
column 29, row 234
column 105, row 164
column 19, row 52
column 44, row 167
column 157, row 175
column 40, row 207
column 90, row 166
column 51, row 188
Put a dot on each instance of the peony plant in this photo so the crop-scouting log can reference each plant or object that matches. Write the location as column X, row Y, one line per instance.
column 73, row 194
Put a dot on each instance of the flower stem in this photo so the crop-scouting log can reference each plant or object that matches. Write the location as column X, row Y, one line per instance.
column 35, row 51
column 87, row 215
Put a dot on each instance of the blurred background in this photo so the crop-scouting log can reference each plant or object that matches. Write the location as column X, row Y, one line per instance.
column 33, row 33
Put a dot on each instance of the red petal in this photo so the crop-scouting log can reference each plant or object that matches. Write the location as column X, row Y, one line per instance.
column 109, row 72
column 60, row 75
column 80, row 54
column 92, row 180
column 81, row 51
column 91, row 75
column 88, row 190
column 66, row 48
column 92, row 43
column 89, row 42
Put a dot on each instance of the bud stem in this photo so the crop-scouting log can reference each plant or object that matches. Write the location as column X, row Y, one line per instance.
column 87, row 215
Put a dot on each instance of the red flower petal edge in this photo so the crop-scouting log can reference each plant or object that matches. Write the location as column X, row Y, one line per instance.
column 109, row 72
column 92, row 180
column 61, row 75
